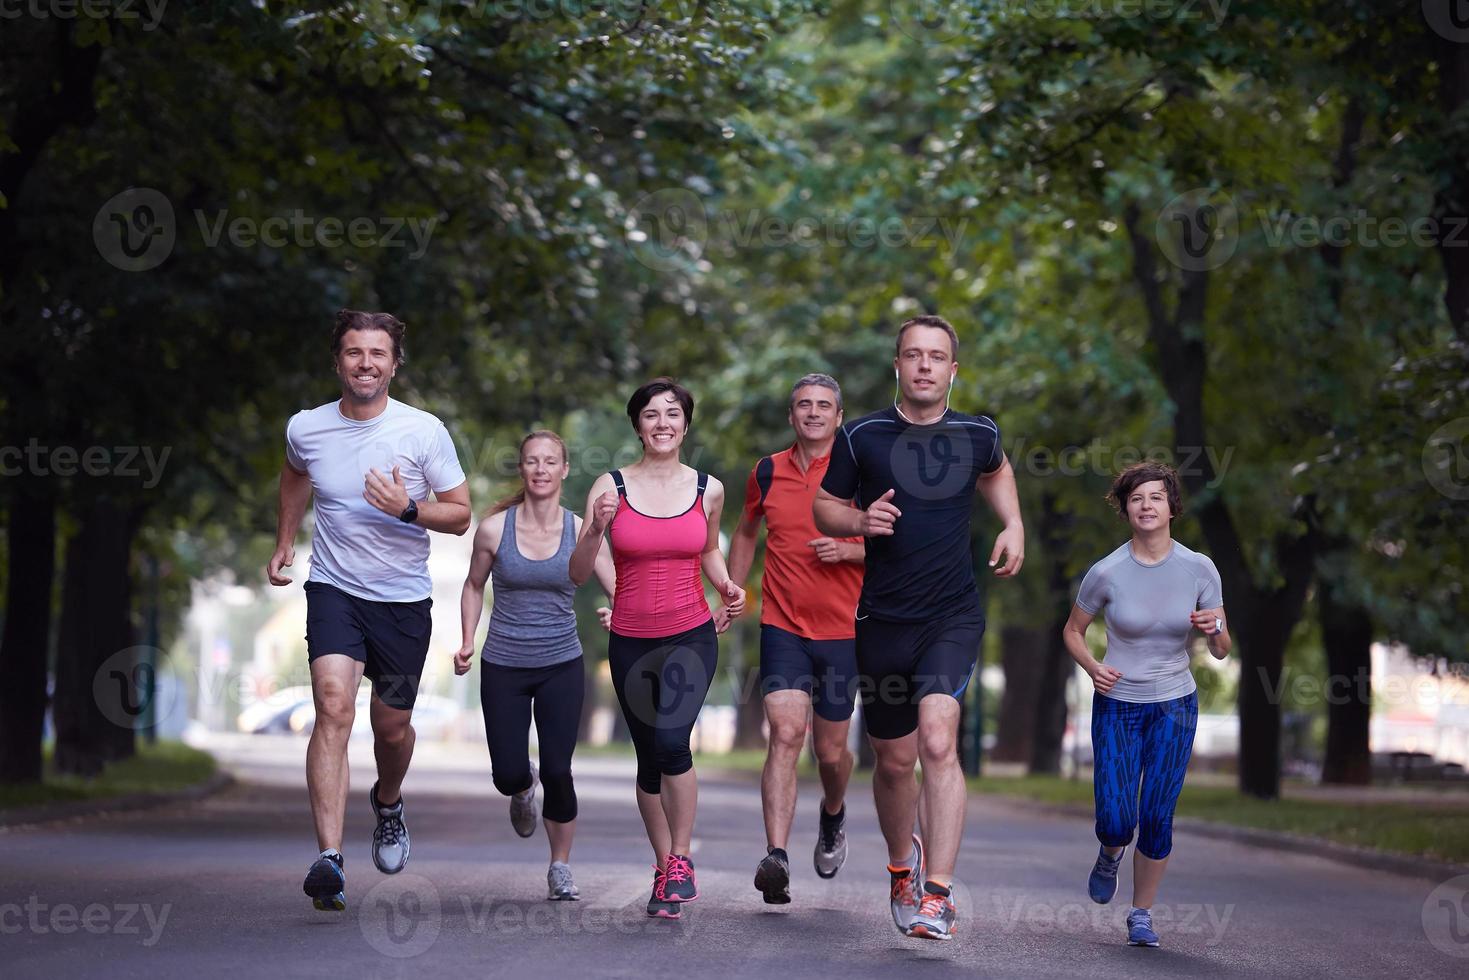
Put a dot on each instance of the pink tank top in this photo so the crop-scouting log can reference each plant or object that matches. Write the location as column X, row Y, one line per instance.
column 659, row 591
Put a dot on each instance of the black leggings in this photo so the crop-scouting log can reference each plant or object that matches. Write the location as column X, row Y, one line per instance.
column 506, row 695
column 661, row 683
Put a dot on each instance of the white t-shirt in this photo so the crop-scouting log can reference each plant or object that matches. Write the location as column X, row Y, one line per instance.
column 358, row 548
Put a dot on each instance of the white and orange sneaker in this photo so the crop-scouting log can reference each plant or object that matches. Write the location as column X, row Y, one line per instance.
column 906, row 889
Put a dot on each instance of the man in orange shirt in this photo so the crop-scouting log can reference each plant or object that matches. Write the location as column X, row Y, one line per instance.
column 808, row 657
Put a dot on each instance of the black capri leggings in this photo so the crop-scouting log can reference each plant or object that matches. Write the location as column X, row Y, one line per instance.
column 661, row 683
column 508, row 697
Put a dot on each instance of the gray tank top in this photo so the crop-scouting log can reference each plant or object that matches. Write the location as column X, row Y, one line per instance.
column 532, row 623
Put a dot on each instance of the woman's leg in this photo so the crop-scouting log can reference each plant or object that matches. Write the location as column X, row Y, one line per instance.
column 1167, row 744
column 1115, row 770
column 505, row 702
column 636, row 682
column 684, row 680
column 558, row 702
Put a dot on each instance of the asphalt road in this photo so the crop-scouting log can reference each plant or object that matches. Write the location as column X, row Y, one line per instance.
column 213, row 889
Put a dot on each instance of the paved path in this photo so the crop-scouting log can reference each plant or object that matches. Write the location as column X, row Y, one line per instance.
column 212, row 890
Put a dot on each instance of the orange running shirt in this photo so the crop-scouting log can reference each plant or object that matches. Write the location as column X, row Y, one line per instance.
column 800, row 593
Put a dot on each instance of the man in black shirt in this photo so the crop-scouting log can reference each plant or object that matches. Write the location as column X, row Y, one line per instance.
column 912, row 469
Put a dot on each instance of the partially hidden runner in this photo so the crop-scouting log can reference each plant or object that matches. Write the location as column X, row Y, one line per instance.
column 532, row 663
column 371, row 464
column 662, row 519
column 808, row 655
column 913, row 469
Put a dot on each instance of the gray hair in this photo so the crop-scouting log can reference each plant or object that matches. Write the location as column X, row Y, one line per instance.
column 821, row 380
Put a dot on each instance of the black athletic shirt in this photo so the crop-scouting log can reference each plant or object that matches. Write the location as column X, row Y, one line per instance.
column 923, row 570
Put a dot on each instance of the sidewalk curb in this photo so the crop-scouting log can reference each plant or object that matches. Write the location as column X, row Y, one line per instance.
column 1362, row 857
column 46, row 813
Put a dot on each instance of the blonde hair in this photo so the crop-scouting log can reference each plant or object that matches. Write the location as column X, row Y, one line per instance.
column 518, row 497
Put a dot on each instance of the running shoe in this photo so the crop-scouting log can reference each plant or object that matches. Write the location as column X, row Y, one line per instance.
column 935, row 916
column 559, row 886
column 1140, row 928
column 678, row 880
column 390, row 838
column 523, row 811
column 773, row 877
column 906, row 889
column 326, row 884
column 831, row 843
column 656, row 904
column 1102, row 884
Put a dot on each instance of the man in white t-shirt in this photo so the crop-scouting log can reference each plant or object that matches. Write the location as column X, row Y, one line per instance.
column 371, row 463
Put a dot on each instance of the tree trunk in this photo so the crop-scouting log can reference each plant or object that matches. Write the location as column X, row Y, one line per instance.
column 749, row 704
column 31, row 572
column 97, row 698
column 1262, row 617
column 1050, row 706
column 1022, row 657
column 1451, row 201
column 1049, row 719
column 1346, row 632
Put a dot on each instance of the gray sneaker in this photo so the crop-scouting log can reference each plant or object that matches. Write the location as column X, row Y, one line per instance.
column 831, row 843
column 390, row 839
column 559, row 886
column 523, row 810
column 934, row 918
column 905, row 890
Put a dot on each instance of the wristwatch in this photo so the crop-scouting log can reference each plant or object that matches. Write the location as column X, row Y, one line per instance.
column 410, row 513
column 1218, row 625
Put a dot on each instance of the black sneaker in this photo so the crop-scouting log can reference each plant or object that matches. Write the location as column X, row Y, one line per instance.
column 657, row 905
column 773, row 877
column 831, row 843
column 326, row 884
column 678, row 880
column 390, row 839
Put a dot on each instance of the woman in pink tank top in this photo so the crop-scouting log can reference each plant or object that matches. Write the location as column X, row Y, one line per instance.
column 663, row 521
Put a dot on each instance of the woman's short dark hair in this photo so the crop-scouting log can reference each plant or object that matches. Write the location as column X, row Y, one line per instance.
column 1146, row 472
column 654, row 388
column 358, row 320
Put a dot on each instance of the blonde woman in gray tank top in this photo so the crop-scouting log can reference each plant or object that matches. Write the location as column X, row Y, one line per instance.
column 532, row 660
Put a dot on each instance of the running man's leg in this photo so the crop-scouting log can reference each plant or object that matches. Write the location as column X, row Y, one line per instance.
column 895, row 791
column 943, row 789
column 884, row 653
column 558, row 704
column 1167, row 743
column 396, row 636
column 392, row 744
column 334, row 681
column 833, row 760
column 833, row 699
column 786, row 671
column 787, row 712
column 949, row 652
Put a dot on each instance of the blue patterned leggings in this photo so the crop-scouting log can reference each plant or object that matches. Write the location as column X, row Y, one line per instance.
column 1148, row 743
